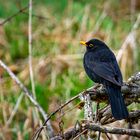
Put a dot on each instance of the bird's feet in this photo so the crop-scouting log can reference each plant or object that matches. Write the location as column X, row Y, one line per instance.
column 129, row 123
column 97, row 85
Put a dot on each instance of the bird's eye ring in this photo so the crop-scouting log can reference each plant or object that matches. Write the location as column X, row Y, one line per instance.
column 90, row 45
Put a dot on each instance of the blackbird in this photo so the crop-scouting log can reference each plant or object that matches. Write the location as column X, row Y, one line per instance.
column 101, row 66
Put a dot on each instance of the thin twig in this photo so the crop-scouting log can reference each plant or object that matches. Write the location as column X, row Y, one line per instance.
column 67, row 111
column 113, row 130
column 37, row 16
column 29, row 95
column 94, row 127
column 88, row 111
column 96, row 95
column 30, row 48
column 37, row 118
column 107, row 136
column 37, row 133
column 79, row 134
column 14, row 15
column 15, row 109
column 96, row 113
column 99, row 135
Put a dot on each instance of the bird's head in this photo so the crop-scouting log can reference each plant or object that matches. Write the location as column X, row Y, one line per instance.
column 93, row 43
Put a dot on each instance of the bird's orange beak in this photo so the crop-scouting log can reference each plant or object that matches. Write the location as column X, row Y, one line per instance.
column 83, row 43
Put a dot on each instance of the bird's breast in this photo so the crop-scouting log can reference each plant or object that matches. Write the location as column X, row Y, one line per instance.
column 91, row 74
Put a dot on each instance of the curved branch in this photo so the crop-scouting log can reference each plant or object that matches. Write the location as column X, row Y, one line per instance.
column 71, row 133
column 130, row 90
column 113, row 130
column 29, row 95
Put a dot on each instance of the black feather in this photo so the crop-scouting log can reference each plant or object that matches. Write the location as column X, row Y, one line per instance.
column 101, row 66
column 119, row 110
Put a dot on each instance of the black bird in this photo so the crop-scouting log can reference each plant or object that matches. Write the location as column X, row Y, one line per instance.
column 101, row 66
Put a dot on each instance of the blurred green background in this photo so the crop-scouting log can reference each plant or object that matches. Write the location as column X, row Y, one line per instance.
column 57, row 28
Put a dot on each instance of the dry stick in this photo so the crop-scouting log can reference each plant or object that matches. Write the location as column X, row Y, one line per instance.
column 96, row 113
column 88, row 110
column 79, row 134
column 15, row 109
column 37, row 133
column 94, row 127
column 14, row 15
column 99, row 135
column 3, row 110
column 67, row 111
column 95, row 95
column 107, row 136
column 29, row 95
column 129, row 38
column 113, row 130
column 37, row 16
column 30, row 62
column 22, row 10
column 30, row 48
column 134, row 116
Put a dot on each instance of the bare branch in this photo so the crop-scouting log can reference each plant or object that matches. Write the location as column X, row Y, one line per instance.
column 37, row 133
column 113, row 130
column 15, row 109
column 130, row 91
column 30, row 48
column 29, row 95
column 14, row 15
column 88, row 110
column 71, row 133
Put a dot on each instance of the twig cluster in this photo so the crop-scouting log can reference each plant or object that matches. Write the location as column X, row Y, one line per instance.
column 28, row 94
column 131, row 93
column 73, row 132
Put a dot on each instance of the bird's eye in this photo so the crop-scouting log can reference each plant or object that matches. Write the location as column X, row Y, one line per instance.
column 90, row 45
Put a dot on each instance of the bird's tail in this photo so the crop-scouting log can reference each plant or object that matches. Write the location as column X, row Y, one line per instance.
column 118, row 107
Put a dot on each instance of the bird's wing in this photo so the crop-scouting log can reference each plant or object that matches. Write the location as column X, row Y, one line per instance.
column 106, row 70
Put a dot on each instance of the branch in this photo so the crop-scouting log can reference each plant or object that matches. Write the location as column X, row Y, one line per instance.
column 88, row 110
column 37, row 133
column 107, row 118
column 15, row 109
column 14, row 15
column 73, row 132
column 130, row 92
column 112, row 130
column 29, row 95
column 23, row 11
